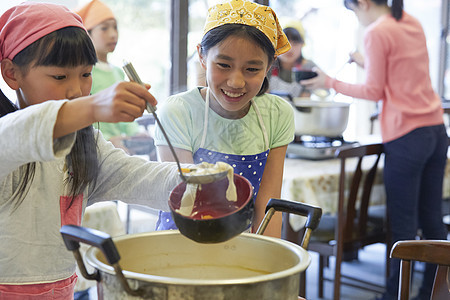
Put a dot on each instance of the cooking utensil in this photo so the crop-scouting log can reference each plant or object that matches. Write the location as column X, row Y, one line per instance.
column 189, row 177
column 165, row 265
column 214, row 219
column 304, row 74
column 320, row 118
column 349, row 61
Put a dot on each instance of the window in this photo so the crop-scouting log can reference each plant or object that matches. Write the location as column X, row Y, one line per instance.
column 198, row 10
column 144, row 40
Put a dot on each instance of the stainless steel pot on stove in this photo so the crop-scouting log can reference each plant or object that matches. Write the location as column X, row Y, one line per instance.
column 320, row 118
column 165, row 265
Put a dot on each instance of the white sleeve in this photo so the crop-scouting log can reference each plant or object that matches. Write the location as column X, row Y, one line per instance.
column 27, row 136
column 133, row 179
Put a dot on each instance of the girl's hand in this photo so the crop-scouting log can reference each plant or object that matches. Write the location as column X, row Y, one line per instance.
column 122, row 102
column 317, row 82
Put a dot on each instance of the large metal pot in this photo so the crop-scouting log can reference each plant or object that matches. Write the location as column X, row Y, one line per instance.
column 320, row 118
column 166, row 265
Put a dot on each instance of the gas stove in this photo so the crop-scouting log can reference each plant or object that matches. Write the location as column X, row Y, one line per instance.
column 316, row 147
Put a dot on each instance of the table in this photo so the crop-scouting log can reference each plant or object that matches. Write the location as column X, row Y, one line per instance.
column 317, row 183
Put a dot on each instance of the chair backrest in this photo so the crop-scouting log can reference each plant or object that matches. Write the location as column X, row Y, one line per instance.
column 347, row 241
column 429, row 251
column 353, row 208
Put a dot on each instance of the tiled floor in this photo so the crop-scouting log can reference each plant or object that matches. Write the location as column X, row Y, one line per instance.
column 370, row 266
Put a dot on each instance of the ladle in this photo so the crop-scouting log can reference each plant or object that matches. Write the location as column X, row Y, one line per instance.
column 349, row 61
column 187, row 175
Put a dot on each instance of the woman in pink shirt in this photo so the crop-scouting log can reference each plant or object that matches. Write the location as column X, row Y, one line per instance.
column 414, row 136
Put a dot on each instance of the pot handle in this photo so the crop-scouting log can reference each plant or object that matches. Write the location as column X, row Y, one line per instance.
column 73, row 235
column 312, row 214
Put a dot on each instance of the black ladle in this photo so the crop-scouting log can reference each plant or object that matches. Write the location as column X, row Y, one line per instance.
column 214, row 219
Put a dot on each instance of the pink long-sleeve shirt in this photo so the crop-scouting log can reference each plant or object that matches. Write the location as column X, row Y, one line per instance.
column 397, row 68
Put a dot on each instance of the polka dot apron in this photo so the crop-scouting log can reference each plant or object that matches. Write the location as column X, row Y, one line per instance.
column 249, row 166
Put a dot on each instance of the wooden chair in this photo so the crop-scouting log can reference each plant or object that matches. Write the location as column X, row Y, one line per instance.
column 429, row 251
column 374, row 117
column 354, row 227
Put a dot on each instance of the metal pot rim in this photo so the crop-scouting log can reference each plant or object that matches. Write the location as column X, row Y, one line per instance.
column 301, row 253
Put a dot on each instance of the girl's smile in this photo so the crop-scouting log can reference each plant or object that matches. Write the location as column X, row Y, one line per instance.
column 234, row 76
column 232, row 96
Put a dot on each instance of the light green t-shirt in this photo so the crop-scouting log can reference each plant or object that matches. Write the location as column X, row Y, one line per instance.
column 103, row 76
column 182, row 116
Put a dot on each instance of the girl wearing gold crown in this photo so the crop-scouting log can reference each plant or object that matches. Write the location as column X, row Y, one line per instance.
column 232, row 119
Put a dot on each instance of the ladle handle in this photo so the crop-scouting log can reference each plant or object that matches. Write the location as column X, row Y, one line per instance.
column 133, row 76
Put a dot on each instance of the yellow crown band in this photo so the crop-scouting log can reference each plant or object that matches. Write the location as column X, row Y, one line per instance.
column 252, row 14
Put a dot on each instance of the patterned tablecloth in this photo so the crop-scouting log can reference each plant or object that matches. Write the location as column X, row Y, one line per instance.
column 317, row 183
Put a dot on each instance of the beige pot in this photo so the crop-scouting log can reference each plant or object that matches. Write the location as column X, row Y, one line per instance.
column 165, row 265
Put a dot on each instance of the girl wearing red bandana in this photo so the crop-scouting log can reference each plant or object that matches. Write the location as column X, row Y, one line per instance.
column 53, row 163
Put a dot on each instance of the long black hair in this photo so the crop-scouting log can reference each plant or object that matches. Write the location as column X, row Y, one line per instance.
column 219, row 34
column 396, row 6
column 6, row 106
column 66, row 47
column 294, row 36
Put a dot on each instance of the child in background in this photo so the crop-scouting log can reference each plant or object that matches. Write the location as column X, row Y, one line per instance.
column 415, row 142
column 53, row 163
column 233, row 120
column 101, row 25
column 282, row 77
